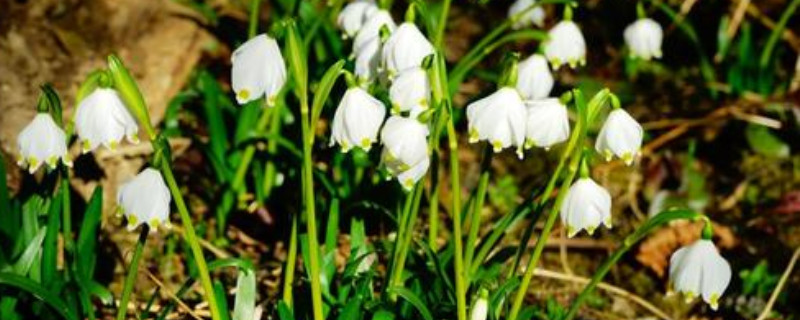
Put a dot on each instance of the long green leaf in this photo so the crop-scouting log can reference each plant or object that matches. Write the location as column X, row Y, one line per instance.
column 87, row 238
column 324, row 90
column 6, row 226
column 50, row 246
column 412, row 298
column 217, row 131
column 26, row 260
column 39, row 292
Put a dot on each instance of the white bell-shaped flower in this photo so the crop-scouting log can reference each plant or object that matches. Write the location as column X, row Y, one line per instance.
column 103, row 119
column 548, row 123
column 644, row 38
column 410, row 91
column 699, row 269
column 357, row 120
column 354, row 15
column 586, row 206
column 405, row 151
column 534, row 80
column 565, row 45
column 405, row 48
column 534, row 16
column 498, row 119
column 258, row 70
column 368, row 60
column 42, row 141
column 620, row 136
column 480, row 309
column 371, row 29
column 145, row 199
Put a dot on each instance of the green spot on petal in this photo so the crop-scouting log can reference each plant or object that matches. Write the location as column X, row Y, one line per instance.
column 132, row 220
column 243, row 94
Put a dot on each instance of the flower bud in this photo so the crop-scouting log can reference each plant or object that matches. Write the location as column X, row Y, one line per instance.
column 357, row 120
column 145, row 199
column 480, row 308
column 565, row 44
column 699, row 269
column 103, row 119
column 586, row 206
column 42, row 141
column 498, row 119
column 258, row 70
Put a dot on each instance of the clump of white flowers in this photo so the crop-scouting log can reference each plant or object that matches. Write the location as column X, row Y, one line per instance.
column 699, row 270
column 586, row 206
column 357, row 120
column 621, row 136
column 42, row 141
column 565, row 43
column 644, row 38
column 405, row 151
column 103, row 119
column 354, row 15
column 258, row 70
column 534, row 80
column 145, row 199
column 547, row 123
column 529, row 14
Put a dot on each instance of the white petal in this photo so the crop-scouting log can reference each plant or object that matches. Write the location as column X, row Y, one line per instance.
column 533, row 16
column 354, row 15
column 565, row 45
column 42, row 141
column 586, row 206
column 357, row 119
column 534, row 80
column 621, row 135
column 410, row 89
column 644, row 38
column 368, row 60
column 145, row 199
column 498, row 119
column 258, row 70
column 371, row 29
column 103, row 119
column 547, row 123
column 405, row 48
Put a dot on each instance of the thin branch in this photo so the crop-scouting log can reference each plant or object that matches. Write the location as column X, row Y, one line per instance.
column 775, row 293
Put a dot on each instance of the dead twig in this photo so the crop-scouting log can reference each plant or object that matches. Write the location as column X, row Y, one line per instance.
column 172, row 295
column 775, row 293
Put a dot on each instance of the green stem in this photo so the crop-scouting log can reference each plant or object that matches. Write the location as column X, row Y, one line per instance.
column 270, row 171
column 480, row 196
column 190, row 234
column 405, row 237
column 766, row 54
column 291, row 262
column 433, row 203
column 646, row 228
column 133, row 271
column 578, row 136
column 253, row 27
column 66, row 214
column 441, row 26
column 456, row 213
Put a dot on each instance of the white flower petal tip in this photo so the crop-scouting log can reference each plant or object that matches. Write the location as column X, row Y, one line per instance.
column 405, row 49
column 699, row 269
column 644, row 38
column 534, row 16
column 586, row 206
column 534, row 79
column 547, row 123
column 405, row 150
column 480, row 309
column 357, row 120
column 565, row 44
column 145, row 199
column 258, row 70
column 410, row 92
column 620, row 136
column 498, row 119
column 103, row 119
column 42, row 141
column 354, row 15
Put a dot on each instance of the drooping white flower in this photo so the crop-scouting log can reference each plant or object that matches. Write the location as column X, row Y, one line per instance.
column 498, row 119
column 371, row 29
column 354, row 15
column 480, row 309
column 405, row 151
column 644, row 38
column 103, row 119
column 258, row 70
column 145, row 199
column 548, row 123
column 410, row 91
column 405, row 48
column 534, row 16
column 368, row 60
column 699, row 269
column 534, row 80
column 586, row 206
column 42, row 141
column 565, row 45
column 357, row 120
column 620, row 136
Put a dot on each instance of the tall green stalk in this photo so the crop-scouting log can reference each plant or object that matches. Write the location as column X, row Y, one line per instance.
column 410, row 211
column 130, row 93
column 480, row 196
column 133, row 271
